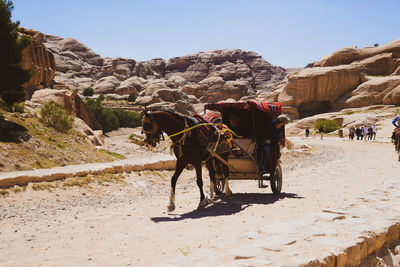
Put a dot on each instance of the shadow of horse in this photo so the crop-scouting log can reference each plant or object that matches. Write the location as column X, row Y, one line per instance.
column 12, row 132
column 224, row 205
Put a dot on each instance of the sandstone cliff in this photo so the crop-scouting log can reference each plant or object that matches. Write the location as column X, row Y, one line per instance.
column 348, row 78
column 39, row 60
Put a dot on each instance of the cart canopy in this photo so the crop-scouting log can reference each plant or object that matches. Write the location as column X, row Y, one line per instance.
column 255, row 117
column 272, row 109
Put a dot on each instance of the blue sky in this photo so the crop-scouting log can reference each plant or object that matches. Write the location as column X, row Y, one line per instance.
column 286, row 33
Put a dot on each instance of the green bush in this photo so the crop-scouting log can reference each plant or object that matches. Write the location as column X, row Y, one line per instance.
column 127, row 118
column 18, row 107
column 56, row 116
column 132, row 97
column 110, row 119
column 88, row 91
column 329, row 125
column 101, row 97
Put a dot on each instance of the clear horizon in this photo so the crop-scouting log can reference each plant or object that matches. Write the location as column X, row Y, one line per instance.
column 285, row 33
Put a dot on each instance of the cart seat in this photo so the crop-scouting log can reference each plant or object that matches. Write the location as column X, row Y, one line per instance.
column 246, row 144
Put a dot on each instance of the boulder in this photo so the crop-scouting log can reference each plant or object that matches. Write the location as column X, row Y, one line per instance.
column 70, row 100
column 393, row 97
column 157, row 65
column 172, row 95
column 372, row 92
column 176, row 81
column 81, row 50
column 95, row 137
column 153, row 86
column 132, row 85
column 180, row 106
column 350, row 54
column 48, row 95
column 143, row 69
column 341, row 57
column 381, row 64
column 148, row 99
column 106, row 85
column 118, row 67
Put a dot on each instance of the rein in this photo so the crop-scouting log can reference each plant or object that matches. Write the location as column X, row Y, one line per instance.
column 205, row 124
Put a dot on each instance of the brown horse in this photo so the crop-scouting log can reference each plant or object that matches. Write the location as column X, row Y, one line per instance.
column 190, row 147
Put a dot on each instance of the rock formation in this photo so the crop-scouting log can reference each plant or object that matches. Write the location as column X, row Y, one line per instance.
column 39, row 60
column 206, row 76
column 70, row 100
column 347, row 78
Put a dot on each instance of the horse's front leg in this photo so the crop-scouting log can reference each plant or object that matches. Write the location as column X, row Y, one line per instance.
column 180, row 165
column 203, row 200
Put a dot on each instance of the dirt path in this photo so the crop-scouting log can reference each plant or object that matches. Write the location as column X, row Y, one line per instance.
column 333, row 195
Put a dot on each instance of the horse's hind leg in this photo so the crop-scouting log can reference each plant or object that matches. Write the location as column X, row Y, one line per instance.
column 228, row 191
column 203, row 200
column 213, row 187
column 180, row 165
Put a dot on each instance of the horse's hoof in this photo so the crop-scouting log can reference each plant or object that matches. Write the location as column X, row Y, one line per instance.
column 203, row 204
column 228, row 193
column 171, row 207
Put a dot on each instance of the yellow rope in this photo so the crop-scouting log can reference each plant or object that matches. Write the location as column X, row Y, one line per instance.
column 204, row 124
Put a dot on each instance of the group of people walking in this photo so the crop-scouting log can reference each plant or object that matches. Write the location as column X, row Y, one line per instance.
column 365, row 132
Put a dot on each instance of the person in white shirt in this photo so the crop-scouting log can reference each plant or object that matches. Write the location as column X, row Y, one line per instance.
column 365, row 131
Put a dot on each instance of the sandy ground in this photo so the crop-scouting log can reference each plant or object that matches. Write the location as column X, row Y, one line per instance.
column 332, row 194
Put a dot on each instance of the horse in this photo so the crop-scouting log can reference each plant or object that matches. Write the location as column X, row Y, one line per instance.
column 190, row 146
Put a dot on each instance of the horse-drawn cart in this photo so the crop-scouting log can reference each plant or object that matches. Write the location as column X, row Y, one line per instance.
column 193, row 142
column 244, row 160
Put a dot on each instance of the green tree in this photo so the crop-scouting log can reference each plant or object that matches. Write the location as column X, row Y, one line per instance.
column 132, row 97
column 12, row 76
column 88, row 91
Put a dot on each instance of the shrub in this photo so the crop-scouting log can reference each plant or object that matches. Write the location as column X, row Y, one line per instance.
column 127, row 118
column 113, row 119
column 54, row 115
column 101, row 97
column 18, row 107
column 329, row 125
column 131, row 97
column 88, row 91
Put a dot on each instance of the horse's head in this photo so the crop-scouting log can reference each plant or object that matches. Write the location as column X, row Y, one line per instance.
column 151, row 128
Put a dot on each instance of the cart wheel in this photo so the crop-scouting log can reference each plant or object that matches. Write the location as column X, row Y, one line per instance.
column 219, row 186
column 276, row 180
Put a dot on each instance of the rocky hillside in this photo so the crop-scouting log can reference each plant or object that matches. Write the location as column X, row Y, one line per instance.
column 348, row 78
column 181, row 81
column 27, row 144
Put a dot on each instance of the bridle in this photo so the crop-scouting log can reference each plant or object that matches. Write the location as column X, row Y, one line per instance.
column 151, row 129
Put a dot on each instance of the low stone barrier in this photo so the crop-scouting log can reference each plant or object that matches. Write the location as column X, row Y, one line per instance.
column 354, row 255
column 159, row 162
